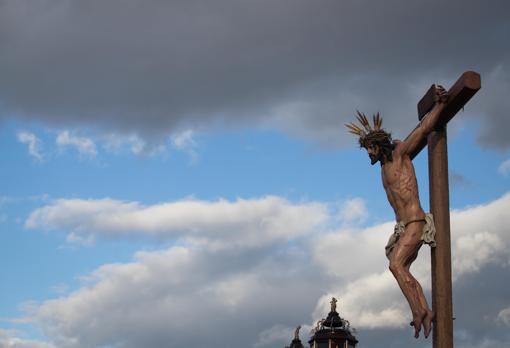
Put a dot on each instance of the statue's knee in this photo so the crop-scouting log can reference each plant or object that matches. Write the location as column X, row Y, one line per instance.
column 395, row 267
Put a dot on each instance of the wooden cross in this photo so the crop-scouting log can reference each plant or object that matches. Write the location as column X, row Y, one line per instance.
column 459, row 94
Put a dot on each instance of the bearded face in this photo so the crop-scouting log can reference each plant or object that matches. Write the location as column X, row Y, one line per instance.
column 374, row 152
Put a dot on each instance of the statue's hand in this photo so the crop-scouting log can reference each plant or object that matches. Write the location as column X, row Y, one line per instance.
column 441, row 95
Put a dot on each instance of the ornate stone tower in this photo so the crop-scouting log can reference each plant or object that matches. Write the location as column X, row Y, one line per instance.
column 333, row 332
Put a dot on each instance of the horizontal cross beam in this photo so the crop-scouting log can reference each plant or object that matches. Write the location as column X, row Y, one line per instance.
column 458, row 95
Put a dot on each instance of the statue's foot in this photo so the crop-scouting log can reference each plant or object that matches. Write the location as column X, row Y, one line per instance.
column 417, row 327
column 427, row 323
column 418, row 321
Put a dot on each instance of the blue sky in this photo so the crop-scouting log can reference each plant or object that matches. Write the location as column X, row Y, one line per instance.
column 207, row 166
column 245, row 163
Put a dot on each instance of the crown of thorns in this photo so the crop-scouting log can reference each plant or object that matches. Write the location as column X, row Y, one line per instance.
column 366, row 133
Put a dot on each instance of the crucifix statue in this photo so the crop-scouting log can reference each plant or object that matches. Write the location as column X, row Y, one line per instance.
column 414, row 227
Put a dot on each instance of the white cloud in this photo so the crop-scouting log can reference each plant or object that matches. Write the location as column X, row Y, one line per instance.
column 185, row 141
column 504, row 316
column 217, row 224
column 33, row 142
column 504, row 167
column 371, row 301
column 85, row 146
column 355, row 244
column 114, row 142
column 8, row 339
column 371, row 297
column 353, row 211
column 485, row 342
column 274, row 335
column 473, row 251
column 169, row 295
column 76, row 238
column 479, row 236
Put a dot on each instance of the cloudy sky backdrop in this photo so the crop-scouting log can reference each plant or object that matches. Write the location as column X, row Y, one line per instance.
column 177, row 173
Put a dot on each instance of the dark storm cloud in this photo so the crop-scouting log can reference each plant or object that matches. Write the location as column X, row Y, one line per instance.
column 302, row 66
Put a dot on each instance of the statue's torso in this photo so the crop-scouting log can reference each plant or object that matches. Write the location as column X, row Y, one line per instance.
column 399, row 181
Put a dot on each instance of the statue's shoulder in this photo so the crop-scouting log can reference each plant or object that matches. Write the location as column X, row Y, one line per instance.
column 397, row 144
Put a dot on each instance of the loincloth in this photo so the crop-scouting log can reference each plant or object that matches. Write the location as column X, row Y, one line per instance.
column 428, row 235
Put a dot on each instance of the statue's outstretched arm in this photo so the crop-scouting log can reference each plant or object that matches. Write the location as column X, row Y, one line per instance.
column 426, row 125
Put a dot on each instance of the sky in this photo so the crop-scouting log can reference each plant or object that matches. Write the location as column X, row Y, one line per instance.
column 177, row 173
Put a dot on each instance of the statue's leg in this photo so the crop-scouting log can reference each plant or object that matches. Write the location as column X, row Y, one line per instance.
column 429, row 317
column 402, row 256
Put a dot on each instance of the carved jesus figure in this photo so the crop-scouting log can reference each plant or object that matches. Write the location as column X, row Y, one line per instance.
column 413, row 227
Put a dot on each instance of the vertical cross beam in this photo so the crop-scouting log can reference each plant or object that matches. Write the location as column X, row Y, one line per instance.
column 441, row 254
column 459, row 94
